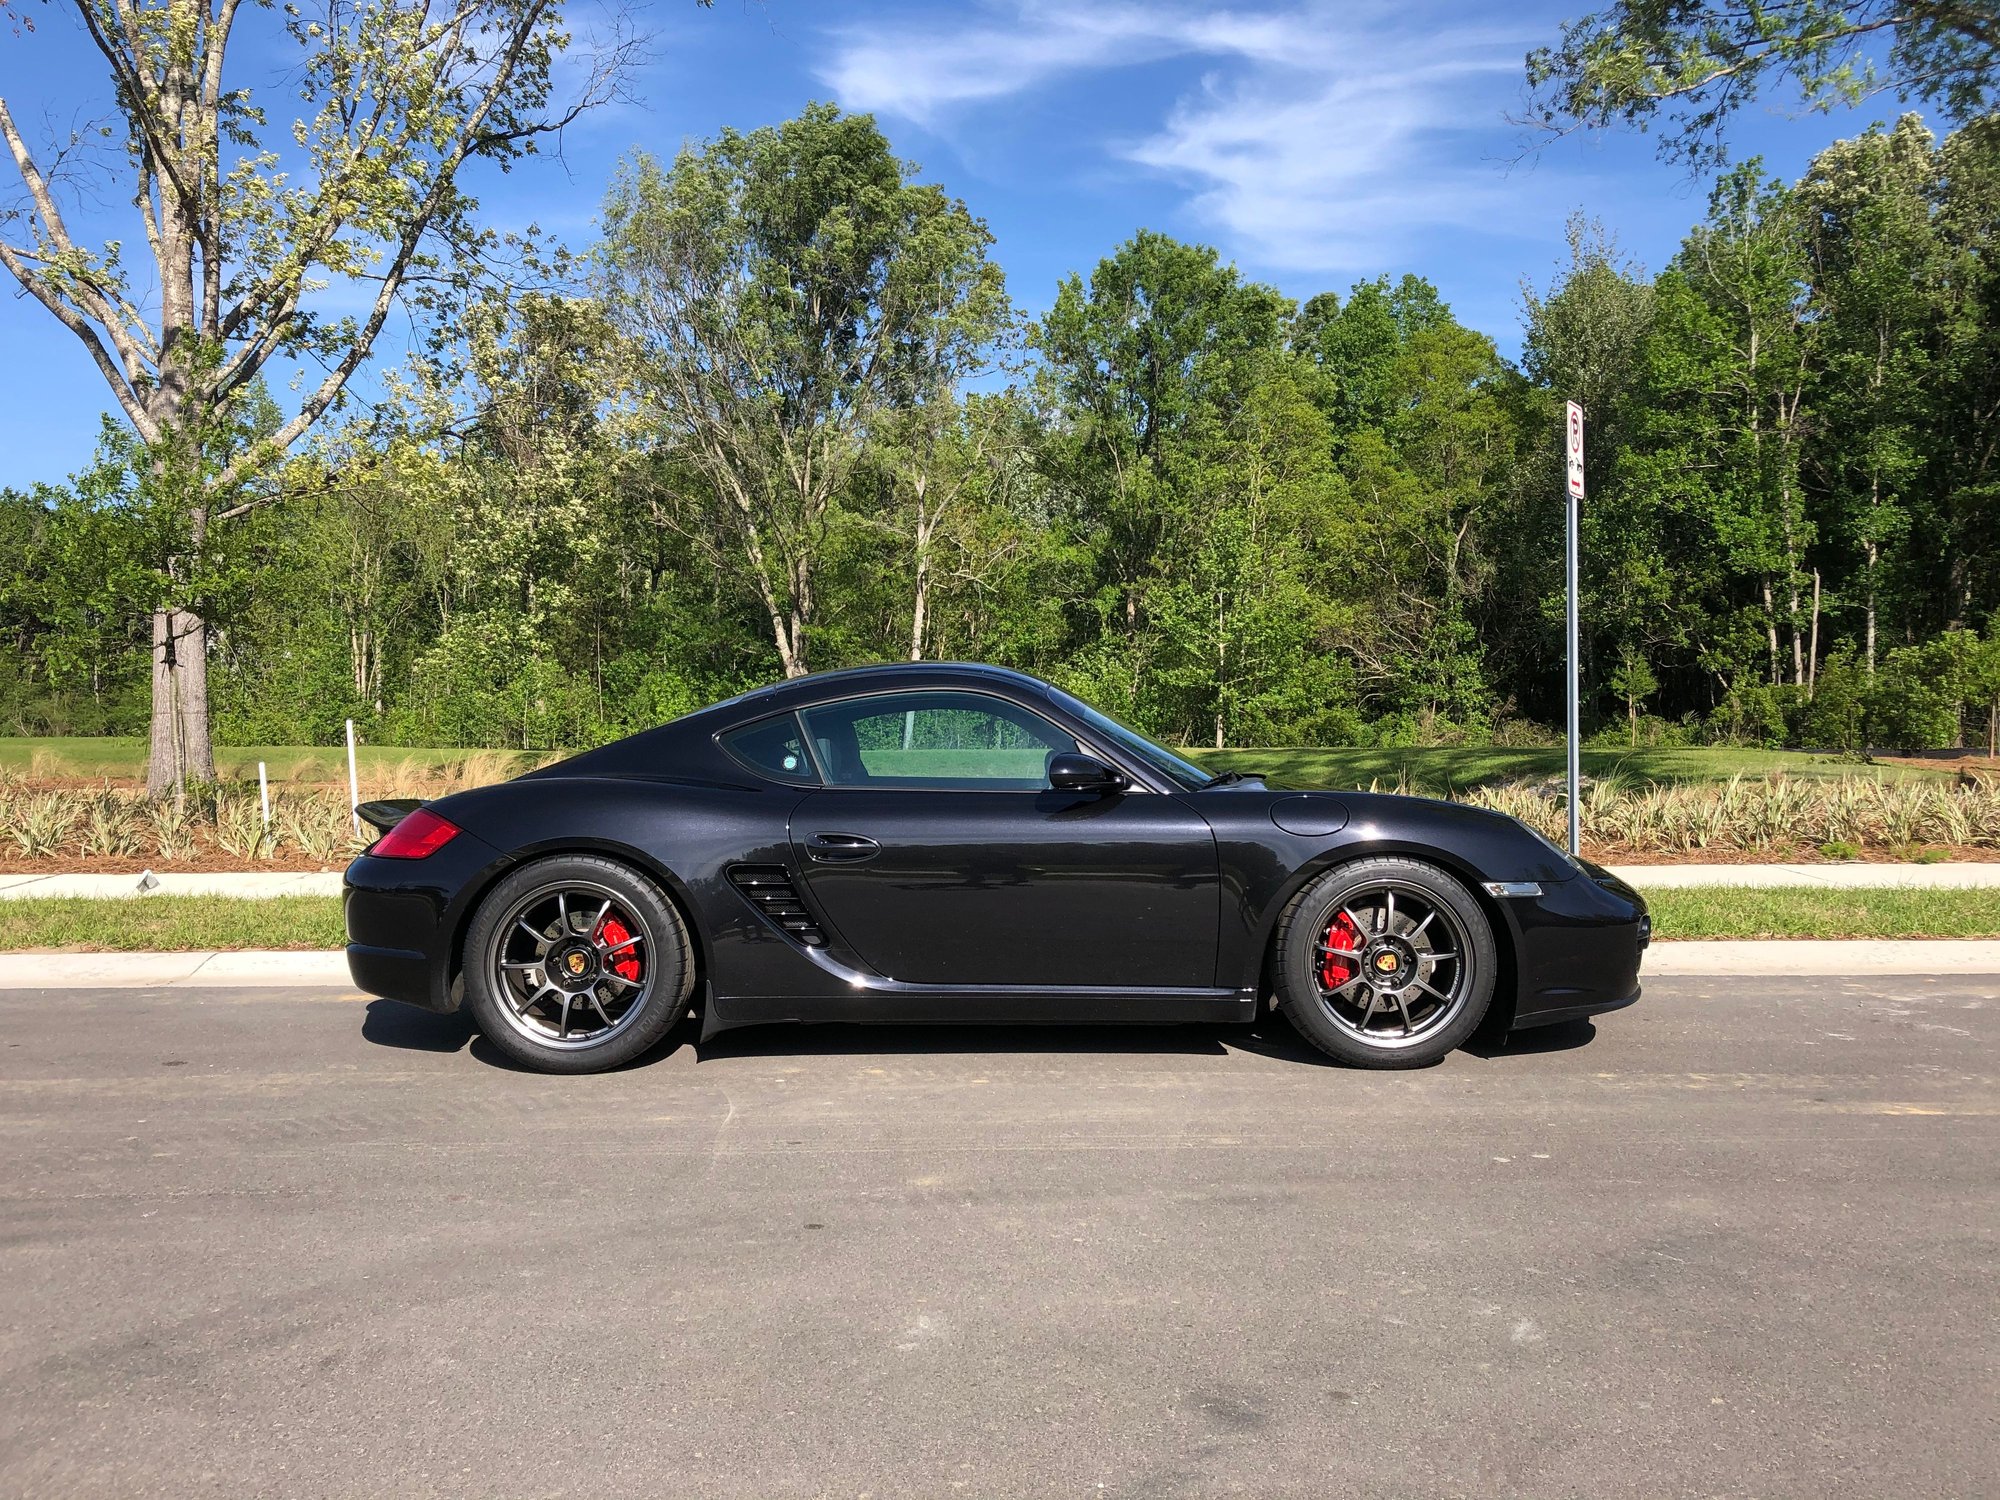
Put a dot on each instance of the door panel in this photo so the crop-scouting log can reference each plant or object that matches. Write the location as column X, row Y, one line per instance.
column 1028, row 888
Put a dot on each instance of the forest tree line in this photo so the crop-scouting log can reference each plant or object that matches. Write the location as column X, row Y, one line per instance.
column 787, row 417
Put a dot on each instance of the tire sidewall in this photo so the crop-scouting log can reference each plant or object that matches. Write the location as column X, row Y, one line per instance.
column 1296, row 968
column 667, row 990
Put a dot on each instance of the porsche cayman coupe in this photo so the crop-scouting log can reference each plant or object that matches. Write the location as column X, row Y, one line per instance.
column 956, row 843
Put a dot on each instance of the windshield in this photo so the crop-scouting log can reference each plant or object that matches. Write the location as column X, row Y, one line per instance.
column 1184, row 774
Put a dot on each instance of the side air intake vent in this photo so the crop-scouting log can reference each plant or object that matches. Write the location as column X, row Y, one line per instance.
column 769, row 888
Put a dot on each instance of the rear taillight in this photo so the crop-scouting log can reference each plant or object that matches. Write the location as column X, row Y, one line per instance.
column 419, row 835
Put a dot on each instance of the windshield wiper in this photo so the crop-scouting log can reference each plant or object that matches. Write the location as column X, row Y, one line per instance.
column 1224, row 778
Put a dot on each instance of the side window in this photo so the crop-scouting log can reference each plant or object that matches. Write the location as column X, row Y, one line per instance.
column 774, row 748
column 961, row 740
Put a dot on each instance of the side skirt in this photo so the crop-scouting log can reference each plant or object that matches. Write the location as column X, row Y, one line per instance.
column 968, row 1005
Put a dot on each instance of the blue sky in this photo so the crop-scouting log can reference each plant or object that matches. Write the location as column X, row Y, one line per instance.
column 1315, row 142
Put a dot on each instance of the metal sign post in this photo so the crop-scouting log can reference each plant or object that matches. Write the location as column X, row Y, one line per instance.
column 1572, row 502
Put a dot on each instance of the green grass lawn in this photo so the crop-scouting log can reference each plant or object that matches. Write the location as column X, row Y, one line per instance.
column 1805, row 912
column 1430, row 770
column 1447, row 770
column 166, row 924
column 169, row 923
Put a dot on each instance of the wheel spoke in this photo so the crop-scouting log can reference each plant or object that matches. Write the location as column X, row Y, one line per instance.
column 1405, row 1009
column 1388, row 911
column 520, row 963
column 597, row 922
column 541, row 938
column 535, row 998
column 1437, row 955
column 607, row 949
column 567, row 998
column 1426, row 986
column 562, row 910
column 597, row 1002
column 1418, row 930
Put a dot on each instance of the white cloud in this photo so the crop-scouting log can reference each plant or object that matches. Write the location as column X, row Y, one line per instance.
column 1322, row 135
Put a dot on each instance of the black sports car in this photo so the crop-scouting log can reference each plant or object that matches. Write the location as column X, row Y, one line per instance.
column 962, row 843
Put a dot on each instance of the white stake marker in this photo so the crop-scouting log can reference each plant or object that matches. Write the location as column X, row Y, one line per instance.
column 353, row 782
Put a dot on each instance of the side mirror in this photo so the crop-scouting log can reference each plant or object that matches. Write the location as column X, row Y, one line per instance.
column 1073, row 772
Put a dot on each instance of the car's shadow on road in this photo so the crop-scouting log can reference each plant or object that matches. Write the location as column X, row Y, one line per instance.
column 388, row 1023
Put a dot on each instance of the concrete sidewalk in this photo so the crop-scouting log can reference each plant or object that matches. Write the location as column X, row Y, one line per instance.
column 257, row 884
column 254, row 884
column 317, row 970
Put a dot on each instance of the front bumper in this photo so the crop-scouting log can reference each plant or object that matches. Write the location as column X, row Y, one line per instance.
column 1577, row 948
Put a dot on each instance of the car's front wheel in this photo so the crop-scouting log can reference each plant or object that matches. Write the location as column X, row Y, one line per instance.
column 1385, row 963
column 576, row 964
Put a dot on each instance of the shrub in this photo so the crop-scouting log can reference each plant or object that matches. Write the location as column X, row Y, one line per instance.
column 1914, row 701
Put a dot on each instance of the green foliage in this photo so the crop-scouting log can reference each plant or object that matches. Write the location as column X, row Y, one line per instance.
column 777, row 431
column 1916, row 696
column 1699, row 61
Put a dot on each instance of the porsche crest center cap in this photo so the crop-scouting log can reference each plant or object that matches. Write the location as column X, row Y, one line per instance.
column 1387, row 963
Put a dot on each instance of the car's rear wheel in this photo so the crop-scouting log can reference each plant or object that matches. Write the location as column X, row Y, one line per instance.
column 1385, row 963
column 576, row 964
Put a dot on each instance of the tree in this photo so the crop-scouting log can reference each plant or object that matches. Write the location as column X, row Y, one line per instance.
column 1874, row 274
column 1982, row 676
column 1633, row 680
column 1700, row 61
column 1161, row 345
column 242, row 223
column 946, row 460
column 781, row 291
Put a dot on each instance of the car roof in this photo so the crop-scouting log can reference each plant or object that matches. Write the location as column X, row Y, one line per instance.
column 817, row 686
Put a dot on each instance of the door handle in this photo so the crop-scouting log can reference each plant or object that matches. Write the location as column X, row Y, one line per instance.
column 841, row 848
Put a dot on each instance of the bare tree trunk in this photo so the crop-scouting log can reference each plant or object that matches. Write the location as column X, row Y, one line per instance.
column 920, row 605
column 191, row 695
column 164, row 766
column 1771, row 630
column 180, row 750
column 1812, row 655
column 1221, row 662
column 1872, row 549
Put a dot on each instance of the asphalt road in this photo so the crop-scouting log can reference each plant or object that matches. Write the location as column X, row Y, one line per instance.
column 1739, row 1241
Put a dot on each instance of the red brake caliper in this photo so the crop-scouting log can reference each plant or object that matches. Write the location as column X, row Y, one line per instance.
column 623, row 962
column 1342, row 937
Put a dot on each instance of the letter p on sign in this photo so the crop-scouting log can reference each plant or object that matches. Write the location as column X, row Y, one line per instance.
column 1575, row 449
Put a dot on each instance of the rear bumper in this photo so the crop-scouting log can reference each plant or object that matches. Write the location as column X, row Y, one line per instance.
column 404, row 915
column 1578, row 947
column 398, row 974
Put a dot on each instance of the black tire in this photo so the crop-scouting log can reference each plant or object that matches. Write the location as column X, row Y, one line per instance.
column 1346, row 1027
column 503, row 958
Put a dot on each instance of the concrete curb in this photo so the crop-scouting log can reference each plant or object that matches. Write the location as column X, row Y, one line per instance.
column 259, row 884
column 317, row 970
column 1822, row 956
column 124, row 971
